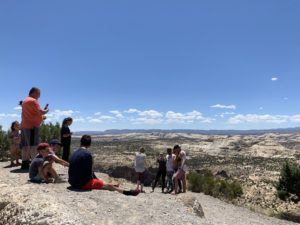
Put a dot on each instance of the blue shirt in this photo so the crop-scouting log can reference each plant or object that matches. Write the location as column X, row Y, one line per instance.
column 81, row 168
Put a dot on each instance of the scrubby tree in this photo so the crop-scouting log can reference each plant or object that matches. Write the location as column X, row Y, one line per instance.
column 49, row 131
column 289, row 181
column 4, row 143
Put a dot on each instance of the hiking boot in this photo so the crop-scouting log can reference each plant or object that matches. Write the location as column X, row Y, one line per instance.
column 25, row 165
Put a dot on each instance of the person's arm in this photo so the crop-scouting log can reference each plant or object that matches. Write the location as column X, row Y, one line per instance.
column 60, row 161
column 183, row 159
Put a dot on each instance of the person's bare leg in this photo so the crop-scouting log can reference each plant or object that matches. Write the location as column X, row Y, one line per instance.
column 33, row 152
column 111, row 187
column 138, row 184
column 25, row 153
column 184, row 183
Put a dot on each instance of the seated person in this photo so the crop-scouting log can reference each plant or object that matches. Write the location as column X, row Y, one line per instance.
column 81, row 175
column 41, row 167
column 55, row 146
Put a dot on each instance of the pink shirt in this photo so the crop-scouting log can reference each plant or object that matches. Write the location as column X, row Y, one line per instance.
column 31, row 114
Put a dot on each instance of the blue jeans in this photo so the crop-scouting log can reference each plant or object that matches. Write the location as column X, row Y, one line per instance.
column 170, row 185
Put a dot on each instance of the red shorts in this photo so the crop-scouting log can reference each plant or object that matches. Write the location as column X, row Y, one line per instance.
column 93, row 184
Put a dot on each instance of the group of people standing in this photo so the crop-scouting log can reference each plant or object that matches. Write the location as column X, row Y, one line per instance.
column 172, row 165
column 26, row 141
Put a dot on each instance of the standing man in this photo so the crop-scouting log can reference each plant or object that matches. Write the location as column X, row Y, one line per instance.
column 32, row 117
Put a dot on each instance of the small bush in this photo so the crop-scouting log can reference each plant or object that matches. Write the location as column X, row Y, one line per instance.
column 4, row 144
column 289, row 181
column 203, row 181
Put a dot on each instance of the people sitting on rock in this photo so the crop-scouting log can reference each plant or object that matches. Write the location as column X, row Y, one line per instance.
column 15, row 140
column 182, row 169
column 41, row 169
column 162, row 171
column 140, row 168
column 170, row 157
column 55, row 146
column 81, row 175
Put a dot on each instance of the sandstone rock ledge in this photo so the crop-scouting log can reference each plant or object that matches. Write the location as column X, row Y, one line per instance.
column 22, row 202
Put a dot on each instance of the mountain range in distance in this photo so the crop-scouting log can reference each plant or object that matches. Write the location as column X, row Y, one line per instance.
column 190, row 131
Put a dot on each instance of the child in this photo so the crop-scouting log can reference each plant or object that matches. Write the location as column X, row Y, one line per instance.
column 54, row 149
column 162, row 170
column 170, row 170
column 139, row 166
column 66, row 135
column 41, row 167
column 15, row 144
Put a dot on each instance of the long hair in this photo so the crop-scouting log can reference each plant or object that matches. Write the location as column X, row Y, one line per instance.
column 12, row 125
column 66, row 120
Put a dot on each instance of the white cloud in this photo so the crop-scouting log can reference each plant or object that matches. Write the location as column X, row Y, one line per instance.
column 97, row 114
column 79, row 120
column 254, row 118
column 295, row 118
column 9, row 115
column 222, row 115
column 57, row 114
column 144, row 120
column 150, row 113
column 95, row 120
column 132, row 111
column 220, row 106
column 104, row 117
column 117, row 114
column 190, row 117
column 274, row 78
column 17, row 108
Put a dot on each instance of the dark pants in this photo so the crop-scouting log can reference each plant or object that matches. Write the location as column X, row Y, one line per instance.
column 66, row 152
column 158, row 175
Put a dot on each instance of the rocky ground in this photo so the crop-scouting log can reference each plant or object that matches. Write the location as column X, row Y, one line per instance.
column 22, row 202
column 253, row 160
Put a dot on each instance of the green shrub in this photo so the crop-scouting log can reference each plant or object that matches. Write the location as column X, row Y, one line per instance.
column 4, row 144
column 289, row 181
column 49, row 131
column 203, row 181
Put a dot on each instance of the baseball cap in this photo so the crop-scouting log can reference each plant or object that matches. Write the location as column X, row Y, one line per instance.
column 55, row 142
column 43, row 146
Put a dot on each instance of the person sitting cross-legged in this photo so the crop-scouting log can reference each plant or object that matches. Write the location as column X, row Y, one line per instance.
column 41, row 169
column 81, row 175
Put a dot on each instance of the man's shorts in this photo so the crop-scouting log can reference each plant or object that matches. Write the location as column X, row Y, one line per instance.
column 30, row 137
column 141, row 177
column 93, row 184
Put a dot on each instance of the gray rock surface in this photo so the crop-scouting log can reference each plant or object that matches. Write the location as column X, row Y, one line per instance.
column 22, row 202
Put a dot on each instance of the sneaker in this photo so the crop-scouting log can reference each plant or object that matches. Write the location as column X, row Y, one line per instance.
column 58, row 180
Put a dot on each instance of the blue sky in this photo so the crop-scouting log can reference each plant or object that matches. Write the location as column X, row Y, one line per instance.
column 153, row 64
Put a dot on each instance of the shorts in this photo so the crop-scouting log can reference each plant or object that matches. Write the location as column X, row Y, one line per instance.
column 30, row 137
column 36, row 179
column 141, row 177
column 93, row 184
column 180, row 174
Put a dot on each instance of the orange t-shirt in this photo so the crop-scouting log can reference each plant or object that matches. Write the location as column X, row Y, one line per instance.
column 31, row 114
